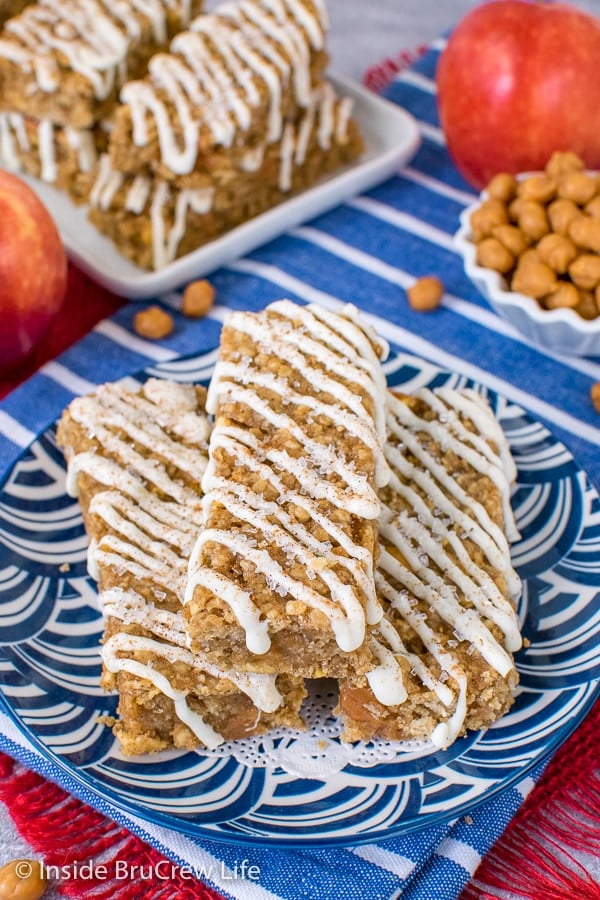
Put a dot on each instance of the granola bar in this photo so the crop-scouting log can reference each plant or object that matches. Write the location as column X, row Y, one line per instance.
column 66, row 60
column 281, row 576
column 445, row 644
column 153, row 221
column 136, row 460
column 229, row 83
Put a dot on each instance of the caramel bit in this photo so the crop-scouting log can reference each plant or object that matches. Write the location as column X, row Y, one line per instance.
column 198, row 298
column 425, row 294
column 153, row 323
column 542, row 233
column 595, row 396
column 23, row 879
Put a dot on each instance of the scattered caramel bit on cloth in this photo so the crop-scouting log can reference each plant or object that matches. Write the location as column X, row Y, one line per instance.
column 425, row 294
column 23, row 879
column 65, row 567
column 542, row 234
column 595, row 396
column 198, row 298
column 153, row 323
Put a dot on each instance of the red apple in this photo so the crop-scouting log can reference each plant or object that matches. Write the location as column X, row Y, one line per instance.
column 517, row 81
column 33, row 270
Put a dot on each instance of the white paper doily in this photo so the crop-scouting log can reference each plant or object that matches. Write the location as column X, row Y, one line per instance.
column 319, row 751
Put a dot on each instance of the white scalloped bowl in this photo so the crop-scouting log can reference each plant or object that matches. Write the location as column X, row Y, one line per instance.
column 558, row 330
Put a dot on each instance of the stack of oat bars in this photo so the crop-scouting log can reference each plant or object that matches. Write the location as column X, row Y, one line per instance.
column 62, row 66
column 171, row 144
column 300, row 522
column 233, row 120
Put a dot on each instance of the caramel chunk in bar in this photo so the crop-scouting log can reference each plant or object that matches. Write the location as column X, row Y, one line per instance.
column 281, row 577
column 136, row 461
column 66, row 60
column 445, row 579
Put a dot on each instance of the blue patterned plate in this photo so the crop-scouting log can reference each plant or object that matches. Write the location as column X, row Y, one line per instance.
column 49, row 664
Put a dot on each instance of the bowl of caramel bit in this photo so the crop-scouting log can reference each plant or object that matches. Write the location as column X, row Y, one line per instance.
column 531, row 245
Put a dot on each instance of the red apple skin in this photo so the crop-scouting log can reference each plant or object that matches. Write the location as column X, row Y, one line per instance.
column 33, row 270
column 517, row 81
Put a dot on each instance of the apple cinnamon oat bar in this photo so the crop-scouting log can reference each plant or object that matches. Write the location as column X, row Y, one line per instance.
column 227, row 85
column 281, row 576
column 136, row 460
column 66, row 60
column 153, row 221
column 446, row 641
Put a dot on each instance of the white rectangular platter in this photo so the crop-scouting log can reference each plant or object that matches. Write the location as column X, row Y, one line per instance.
column 391, row 138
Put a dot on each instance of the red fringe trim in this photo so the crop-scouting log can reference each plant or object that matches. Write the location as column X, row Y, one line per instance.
column 533, row 859
column 379, row 76
column 79, row 841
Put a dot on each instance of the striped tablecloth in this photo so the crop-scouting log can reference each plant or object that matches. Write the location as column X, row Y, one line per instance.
column 367, row 252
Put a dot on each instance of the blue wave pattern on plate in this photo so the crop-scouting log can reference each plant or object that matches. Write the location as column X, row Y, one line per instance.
column 50, row 626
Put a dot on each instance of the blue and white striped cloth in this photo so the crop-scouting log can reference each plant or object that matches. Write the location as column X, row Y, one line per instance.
column 367, row 252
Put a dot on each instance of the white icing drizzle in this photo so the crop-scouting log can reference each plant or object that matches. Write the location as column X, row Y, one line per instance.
column 253, row 159
column 240, row 601
column 385, row 680
column 326, row 117
column 344, row 112
column 331, row 338
column 12, row 143
column 46, row 148
column 335, row 347
column 286, row 155
column 433, row 532
column 165, row 241
column 82, row 140
column 214, row 75
column 91, row 37
column 15, row 143
column 137, row 194
column 148, row 536
column 106, row 185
